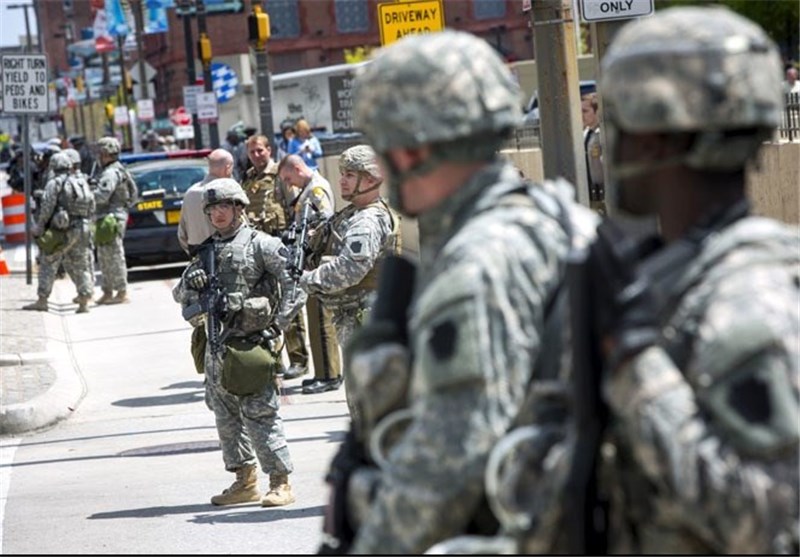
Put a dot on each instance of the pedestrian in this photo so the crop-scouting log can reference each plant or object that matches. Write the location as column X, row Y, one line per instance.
column 265, row 211
column 241, row 376
column 288, row 144
column 303, row 185
column 483, row 318
column 360, row 236
column 700, row 324
column 791, row 83
column 193, row 226
column 62, row 231
column 593, row 149
column 115, row 193
column 310, row 148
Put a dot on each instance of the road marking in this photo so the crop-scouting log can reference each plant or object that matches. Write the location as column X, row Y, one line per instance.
column 7, row 451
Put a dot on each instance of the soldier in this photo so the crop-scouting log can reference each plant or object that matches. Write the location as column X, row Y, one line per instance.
column 241, row 378
column 115, row 193
column 360, row 235
column 267, row 212
column 302, row 185
column 483, row 319
column 702, row 361
column 62, row 231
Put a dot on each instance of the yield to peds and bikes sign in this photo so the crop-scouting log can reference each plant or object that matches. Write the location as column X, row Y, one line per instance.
column 25, row 88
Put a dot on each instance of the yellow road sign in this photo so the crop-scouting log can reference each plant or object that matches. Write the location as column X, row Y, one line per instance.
column 398, row 19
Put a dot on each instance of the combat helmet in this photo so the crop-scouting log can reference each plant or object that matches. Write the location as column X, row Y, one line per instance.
column 694, row 69
column 108, row 145
column 360, row 158
column 224, row 189
column 435, row 88
column 74, row 156
column 60, row 162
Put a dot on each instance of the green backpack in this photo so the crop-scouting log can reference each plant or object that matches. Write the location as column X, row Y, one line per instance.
column 51, row 241
column 247, row 367
column 106, row 230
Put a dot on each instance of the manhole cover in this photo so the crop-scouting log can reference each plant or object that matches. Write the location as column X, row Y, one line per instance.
column 174, row 448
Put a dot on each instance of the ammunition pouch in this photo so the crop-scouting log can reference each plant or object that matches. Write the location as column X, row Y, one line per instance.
column 199, row 342
column 60, row 219
column 247, row 366
column 106, row 230
column 51, row 241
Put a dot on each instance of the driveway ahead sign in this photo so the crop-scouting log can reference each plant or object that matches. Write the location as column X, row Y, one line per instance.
column 25, row 88
column 605, row 10
column 398, row 19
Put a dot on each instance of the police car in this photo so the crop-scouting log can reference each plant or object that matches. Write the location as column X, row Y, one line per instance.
column 161, row 178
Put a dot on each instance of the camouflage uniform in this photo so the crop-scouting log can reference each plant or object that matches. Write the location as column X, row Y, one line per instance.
column 70, row 192
column 701, row 454
column 491, row 260
column 264, row 211
column 253, row 265
column 113, row 197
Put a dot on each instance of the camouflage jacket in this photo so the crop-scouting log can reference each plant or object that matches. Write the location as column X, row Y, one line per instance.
column 264, row 211
column 112, row 196
column 489, row 264
column 702, row 452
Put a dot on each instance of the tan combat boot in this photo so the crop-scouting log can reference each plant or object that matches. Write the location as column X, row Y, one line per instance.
column 83, row 304
column 38, row 305
column 280, row 492
column 120, row 298
column 244, row 489
column 105, row 298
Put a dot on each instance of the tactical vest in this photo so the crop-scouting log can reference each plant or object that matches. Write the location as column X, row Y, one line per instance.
column 264, row 212
column 393, row 244
column 76, row 197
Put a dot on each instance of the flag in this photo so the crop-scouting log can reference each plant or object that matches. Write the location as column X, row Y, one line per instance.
column 103, row 42
column 155, row 20
column 115, row 19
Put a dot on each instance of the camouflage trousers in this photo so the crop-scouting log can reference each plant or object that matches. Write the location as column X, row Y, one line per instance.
column 111, row 258
column 346, row 321
column 74, row 258
column 248, row 427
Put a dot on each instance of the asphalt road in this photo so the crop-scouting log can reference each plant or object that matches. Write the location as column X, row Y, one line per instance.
column 133, row 468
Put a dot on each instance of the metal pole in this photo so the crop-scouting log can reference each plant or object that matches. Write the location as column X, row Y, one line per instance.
column 126, row 130
column 26, row 164
column 190, row 73
column 213, row 129
column 559, row 94
column 137, row 6
column 263, row 80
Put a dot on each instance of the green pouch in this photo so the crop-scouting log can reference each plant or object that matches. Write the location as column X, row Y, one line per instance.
column 51, row 241
column 106, row 230
column 199, row 342
column 247, row 367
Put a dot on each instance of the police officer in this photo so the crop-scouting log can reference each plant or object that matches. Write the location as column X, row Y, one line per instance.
column 115, row 192
column 437, row 108
column 244, row 397
column 64, row 217
column 702, row 377
column 358, row 238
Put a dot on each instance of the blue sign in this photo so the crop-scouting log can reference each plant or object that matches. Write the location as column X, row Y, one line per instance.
column 224, row 81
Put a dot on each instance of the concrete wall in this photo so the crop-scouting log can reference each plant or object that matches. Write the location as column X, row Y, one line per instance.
column 775, row 188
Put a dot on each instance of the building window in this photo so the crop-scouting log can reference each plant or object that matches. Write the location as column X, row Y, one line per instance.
column 489, row 9
column 351, row 16
column 284, row 19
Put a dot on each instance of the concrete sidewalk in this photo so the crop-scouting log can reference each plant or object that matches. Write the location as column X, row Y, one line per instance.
column 39, row 385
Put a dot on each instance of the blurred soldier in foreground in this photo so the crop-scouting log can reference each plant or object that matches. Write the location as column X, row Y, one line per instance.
column 116, row 192
column 233, row 286
column 699, row 326
column 482, row 321
column 62, row 230
column 354, row 243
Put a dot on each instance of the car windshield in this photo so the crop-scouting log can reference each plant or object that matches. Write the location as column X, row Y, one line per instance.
column 176, row 179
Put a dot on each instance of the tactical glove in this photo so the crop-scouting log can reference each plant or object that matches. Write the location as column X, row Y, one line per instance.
column 197, row 279
column 626, row 307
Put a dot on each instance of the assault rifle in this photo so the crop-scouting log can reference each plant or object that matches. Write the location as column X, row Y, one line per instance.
column 297, row 240
column 213, row 301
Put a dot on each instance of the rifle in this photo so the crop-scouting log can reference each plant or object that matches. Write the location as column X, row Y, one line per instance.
column 297, row 239
column 388, row 322
column 213, row 301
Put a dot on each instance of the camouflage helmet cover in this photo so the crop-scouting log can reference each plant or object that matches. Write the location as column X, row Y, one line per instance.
column 360, row 158
column 434, row 87
column 224, row 189
column 108, row 145
column 691, row 69
column 60, row 162
column 74, row 156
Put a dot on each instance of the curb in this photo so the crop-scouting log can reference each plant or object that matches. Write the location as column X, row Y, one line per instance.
column 24, row 359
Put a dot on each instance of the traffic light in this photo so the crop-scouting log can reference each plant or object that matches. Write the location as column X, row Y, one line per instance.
column 109, row 110
column 204, row 49
column 258, row 27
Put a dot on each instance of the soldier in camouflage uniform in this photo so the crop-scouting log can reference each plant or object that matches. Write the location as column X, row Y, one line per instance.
column 67, row 206
column 357, row 239
column 701, row 453
column 436, row 108
column 115, row 192
column 251, row 266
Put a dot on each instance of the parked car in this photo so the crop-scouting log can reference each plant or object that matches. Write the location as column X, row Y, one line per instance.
column 531, row 110
column 162, row 179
